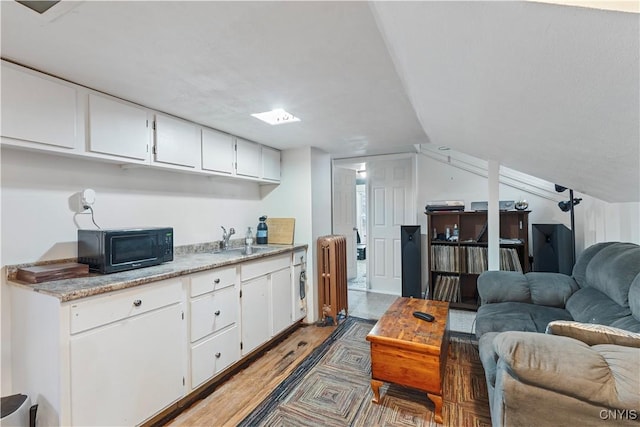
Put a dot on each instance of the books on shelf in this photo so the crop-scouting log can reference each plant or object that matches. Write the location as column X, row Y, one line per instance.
column 471, row 259
column 447, row 288
column 445, row 258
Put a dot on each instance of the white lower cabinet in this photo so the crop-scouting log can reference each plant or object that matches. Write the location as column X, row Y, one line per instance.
column 265, row 303
column 282, row 316
column 127, row 371
column 255, row 313
column 122, row 357
column 112, row 359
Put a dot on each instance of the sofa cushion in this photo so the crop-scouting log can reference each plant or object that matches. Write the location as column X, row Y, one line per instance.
column 500, row 286
column 612, row 270
column 516, row 316
column 634, row 297
column 605, row 374
column 589, row 305
column 628, row 323
column 580, row 267
column 593, row 334
column 552, row 289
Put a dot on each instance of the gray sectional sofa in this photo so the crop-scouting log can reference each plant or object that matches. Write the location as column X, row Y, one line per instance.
column 564, row 350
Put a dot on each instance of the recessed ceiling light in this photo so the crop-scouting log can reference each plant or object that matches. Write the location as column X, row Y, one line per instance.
column 444, row 148
column 276, row 117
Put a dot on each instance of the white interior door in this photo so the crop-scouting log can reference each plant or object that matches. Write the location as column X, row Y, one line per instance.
column 392, row 204
column 344, row 213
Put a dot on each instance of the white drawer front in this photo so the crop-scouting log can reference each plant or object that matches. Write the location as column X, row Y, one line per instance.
column 214, row 355
column 209, row 281
column 253, row 269
column 212, row 312
column 110, row 307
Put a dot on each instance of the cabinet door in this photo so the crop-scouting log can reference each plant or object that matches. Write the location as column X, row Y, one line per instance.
column 270, row 164
column 281, row 315
column 177, row 142
column 117, row 128
column 248, row 155
column 125, row 372
column 218, row 151
column 38, row 109
column 255, row 313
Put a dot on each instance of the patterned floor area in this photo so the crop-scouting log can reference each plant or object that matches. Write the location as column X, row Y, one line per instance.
column 332, row 388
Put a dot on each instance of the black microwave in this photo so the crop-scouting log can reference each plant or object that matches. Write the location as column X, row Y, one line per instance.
column 110, row 251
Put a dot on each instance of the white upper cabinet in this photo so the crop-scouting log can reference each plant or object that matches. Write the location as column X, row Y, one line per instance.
column 38, row 109
column 177, row 142
column 41, row 112
column 118, row 128
column 217, row 151
column 248, row 158
column 270, row 164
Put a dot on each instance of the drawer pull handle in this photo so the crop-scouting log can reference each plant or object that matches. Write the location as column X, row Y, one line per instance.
column 137, row 302
column 217, row 313
column 218, row 355
column 216, row 281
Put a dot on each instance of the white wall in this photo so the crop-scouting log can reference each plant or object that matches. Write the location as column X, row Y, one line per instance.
column 304, row 194
column 596, row 221
column 37, row 223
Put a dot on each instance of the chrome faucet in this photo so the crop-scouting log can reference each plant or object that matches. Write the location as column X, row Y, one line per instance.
column 226, row 237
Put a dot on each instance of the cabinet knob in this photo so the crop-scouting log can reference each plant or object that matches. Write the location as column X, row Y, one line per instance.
column 216, row 281
column 218, row 355
column 217, row 313
column 137, row 302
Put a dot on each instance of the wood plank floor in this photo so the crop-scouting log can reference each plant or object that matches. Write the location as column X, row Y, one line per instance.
column 236, row 398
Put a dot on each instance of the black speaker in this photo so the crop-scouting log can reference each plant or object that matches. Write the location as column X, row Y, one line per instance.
column 552, row 248
column 411, row 261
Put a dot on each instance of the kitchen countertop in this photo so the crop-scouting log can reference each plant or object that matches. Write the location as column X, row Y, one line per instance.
column 182, row 264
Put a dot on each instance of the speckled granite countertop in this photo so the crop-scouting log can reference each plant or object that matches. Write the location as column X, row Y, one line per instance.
column 184, row 262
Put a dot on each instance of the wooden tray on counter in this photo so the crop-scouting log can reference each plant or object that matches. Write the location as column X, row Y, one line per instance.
column 49, row 272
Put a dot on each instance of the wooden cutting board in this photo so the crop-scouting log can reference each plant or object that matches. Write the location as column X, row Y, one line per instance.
column 280, row 230
column 49, row 272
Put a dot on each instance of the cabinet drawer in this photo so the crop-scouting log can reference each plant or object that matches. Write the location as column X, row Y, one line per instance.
column 259, row 268
column 214, row 355
column 212, row 280
column 111, row 307
column 212, row 312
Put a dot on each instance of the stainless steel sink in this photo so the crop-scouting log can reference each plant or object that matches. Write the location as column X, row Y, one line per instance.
column 242, row 251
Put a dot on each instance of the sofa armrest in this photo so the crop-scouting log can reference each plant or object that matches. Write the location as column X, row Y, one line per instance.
column 604, row 375
column 593, row 334
column 550, row 289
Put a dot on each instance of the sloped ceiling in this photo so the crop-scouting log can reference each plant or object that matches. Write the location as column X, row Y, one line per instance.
column 552, row 91
column 548, row 90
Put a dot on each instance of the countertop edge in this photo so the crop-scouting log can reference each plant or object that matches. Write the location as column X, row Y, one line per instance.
column 73, row 289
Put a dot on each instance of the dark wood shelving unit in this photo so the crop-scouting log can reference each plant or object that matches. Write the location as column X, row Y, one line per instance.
column 454, row 266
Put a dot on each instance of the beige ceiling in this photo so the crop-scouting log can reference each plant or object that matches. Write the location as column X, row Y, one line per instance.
column 549, row 90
